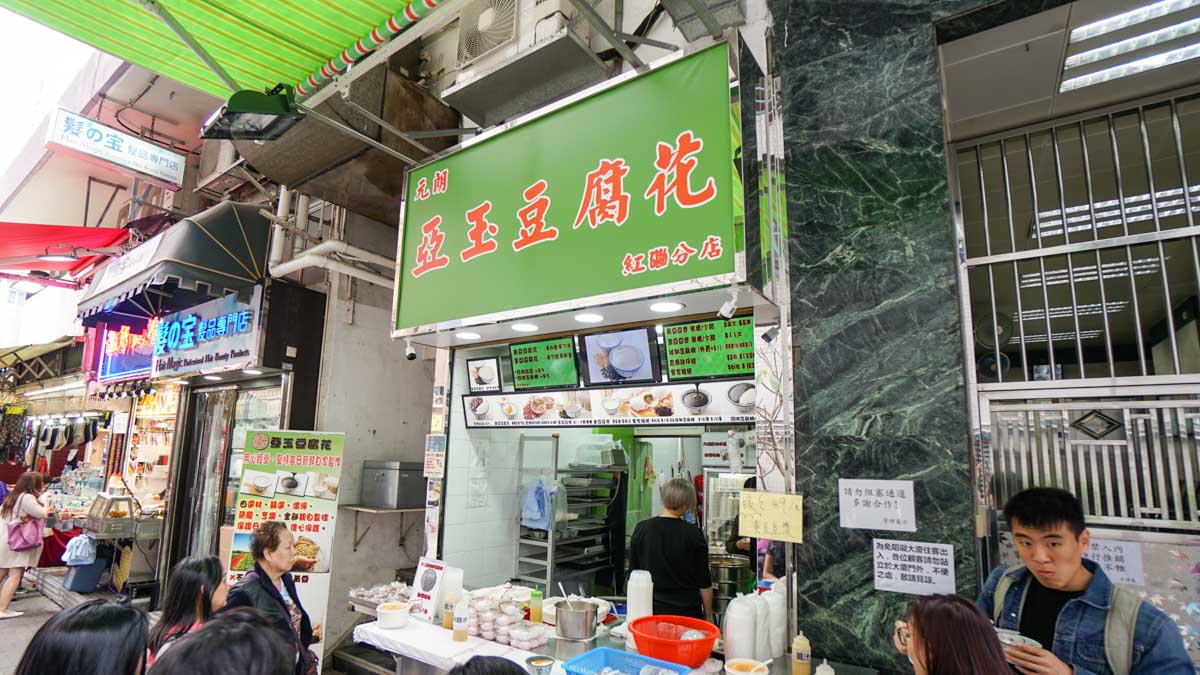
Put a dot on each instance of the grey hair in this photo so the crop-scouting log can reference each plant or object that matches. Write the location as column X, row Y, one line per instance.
column 678, row 494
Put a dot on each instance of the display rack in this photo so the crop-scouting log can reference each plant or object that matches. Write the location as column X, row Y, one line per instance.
column 575, row 547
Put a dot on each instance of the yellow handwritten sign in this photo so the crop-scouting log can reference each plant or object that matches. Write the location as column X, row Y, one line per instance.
column 772, row 515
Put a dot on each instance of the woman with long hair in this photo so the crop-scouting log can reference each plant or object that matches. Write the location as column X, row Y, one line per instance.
column 949, row 635
column 20, row 506
column 100, row 637
column 196, row 589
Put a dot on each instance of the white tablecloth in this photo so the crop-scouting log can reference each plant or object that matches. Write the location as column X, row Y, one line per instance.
column 435, row 645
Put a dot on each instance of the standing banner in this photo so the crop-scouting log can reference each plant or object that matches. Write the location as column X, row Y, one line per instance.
column 292, row 477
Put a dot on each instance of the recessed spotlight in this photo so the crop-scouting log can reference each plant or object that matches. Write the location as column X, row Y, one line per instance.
column 666, row 307
column 252, row 371
column 524, row 327
column 588, row 318
column 213, row 378
column 467, row 335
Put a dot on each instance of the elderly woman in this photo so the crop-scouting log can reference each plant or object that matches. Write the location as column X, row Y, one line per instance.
column 269, row 587
column 675, row 554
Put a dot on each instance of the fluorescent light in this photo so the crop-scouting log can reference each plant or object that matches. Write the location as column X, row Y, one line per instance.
column 1083, row 273
column 251, row 371
column 213, row 378
column 588, row 318
column 1108, row 212
column 66, row 256
column 1133, row 44
column 666, row 307
column 1130, row 18
column 1065, row 311
column 1070, row 335
column 524, row 327
column 1185, row 53
column 467, row 335
column 179, row 380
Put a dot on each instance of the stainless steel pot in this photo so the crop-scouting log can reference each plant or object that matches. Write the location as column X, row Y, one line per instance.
column 575, row 621
column 726, row 568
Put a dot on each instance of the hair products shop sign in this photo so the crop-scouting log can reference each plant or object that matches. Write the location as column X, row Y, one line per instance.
column 631, row 188
column 220, row 334
column 128, row 154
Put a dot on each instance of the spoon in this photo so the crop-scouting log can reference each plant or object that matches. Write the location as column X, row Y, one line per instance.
column 565, row 596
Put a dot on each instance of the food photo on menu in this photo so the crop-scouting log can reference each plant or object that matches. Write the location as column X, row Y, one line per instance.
column 258, row 483
column 621, row 357
column 291, row 483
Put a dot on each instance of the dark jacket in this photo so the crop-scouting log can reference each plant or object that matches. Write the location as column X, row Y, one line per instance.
column 256, row 590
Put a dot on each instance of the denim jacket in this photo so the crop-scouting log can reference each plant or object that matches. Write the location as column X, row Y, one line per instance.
column 1079, row 633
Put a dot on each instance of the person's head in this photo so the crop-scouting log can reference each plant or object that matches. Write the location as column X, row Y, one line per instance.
column 950, row 635
column 30, row 483
column 678, row 496
column 488, row 665
column 273, row 547
column 196, row 589
column 100, row 637
column 750, row 484
column 242, row 640
column 1049, row 533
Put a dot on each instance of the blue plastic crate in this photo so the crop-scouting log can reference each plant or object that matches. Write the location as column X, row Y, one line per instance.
column 596, row 660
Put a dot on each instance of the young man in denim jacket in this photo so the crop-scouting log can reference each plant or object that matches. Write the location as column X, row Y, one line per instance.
column 1085, row 624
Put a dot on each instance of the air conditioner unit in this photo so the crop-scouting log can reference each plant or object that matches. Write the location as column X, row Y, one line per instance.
column 517, row 55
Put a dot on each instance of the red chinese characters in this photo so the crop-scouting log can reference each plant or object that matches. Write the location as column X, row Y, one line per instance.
column 682, row 254
column 422, row 192
column 659, row 258
column 675, row 166
column 711, row 249
column 429, row 252
column 481, row 232
column 533, row 218
column 604, row 196
column 441, row 181
column 634, row 263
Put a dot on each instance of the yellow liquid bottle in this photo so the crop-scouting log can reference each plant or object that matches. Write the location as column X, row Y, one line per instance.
column 801, row 655
column 535, row 606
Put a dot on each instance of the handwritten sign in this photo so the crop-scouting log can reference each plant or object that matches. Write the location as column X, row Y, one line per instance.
column 877, row 505
column 914, row 567
column 1120, row 560
column 772, row 515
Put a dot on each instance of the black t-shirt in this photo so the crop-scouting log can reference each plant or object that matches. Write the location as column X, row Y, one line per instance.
column 676, row 556
column 1040, row 613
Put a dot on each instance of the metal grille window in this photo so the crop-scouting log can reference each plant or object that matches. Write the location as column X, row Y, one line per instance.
column 1080, row 244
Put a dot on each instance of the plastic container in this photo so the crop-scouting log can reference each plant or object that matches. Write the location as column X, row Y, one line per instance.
column 452, row 588
column 462, row 616
column 825, row 668
column 596, row 660
column 85, row 578
column 658, row 637
column 535, row 606
column 801, row 655
column 640, row 592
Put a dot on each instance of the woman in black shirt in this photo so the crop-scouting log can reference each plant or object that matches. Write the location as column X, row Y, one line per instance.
column 676, row 555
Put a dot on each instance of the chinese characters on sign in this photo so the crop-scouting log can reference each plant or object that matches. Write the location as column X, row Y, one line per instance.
column 550, row 363
column 1120, row 560
column 877, row 505
column 83, row 135
column 435, row 455
column 772, row 515
column 913, row 567
column 125, row 354
column 721, row 348
column 220, row 334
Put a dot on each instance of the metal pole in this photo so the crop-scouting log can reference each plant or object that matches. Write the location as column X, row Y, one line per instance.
column 355, row 134
column 161, row 12
column 585, row 8
column 387, row 127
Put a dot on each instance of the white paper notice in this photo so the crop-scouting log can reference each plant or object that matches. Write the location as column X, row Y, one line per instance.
column 1120, row 560
column 914, row 567
column 877, row 505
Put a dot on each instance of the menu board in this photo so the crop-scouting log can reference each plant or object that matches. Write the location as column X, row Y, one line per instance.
column 291, row 477
column 620, row 357
column 544, row 365
column 710, row 349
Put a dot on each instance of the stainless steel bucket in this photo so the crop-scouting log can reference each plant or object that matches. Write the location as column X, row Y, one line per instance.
column 576, row 621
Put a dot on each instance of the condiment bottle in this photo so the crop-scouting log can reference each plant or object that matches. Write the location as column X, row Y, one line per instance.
column 535, row 606
column 462, row 616
column 801, row 655
column 825, row 668
column 452, row 586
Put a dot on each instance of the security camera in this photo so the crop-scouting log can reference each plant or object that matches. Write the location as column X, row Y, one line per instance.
column 771, row 334
column 731, row 305
column 410, row 352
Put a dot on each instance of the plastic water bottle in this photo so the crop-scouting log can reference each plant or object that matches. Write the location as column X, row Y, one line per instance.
column 639, row 602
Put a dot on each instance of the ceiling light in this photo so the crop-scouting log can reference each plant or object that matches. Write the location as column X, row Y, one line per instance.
column 213, row 378
column 178, row 381
column 467, row 335
column 524, row 327
column 1162, row 60
column 252, row 371
column 588, row 318
column 64, row 256
column 1133, row 44
column 666, row 307
column 658, row 329
column 254, row 116
column 1130, row 18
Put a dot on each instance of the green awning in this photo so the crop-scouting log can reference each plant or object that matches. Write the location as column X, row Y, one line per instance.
column 260, row 43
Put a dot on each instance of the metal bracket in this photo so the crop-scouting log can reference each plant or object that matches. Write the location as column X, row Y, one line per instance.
column 648, row 42
column 706, row 17
column 161, row 12
column 442, row 133
column 355, row 134
column 403, row 135
column 593, row 17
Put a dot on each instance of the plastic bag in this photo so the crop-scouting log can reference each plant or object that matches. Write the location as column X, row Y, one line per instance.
column 777, row 603
column 738, row 628
column 762, row 628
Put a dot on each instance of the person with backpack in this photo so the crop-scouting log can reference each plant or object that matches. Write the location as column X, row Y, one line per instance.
column 1083, row 623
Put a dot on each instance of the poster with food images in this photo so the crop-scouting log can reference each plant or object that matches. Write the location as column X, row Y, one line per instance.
column 292, row 477
column 484, row 375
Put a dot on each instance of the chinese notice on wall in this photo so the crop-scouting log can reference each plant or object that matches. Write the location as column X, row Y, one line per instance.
column 721, row 348
column 220, row 334
column 647, row 196
column 550, row 363
column 914, row 567
column 877, row 504
column 1120, row 560
column 771, row 515
column 292, row 477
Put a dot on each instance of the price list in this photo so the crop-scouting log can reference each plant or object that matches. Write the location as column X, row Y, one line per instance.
column 546, row 364
column 707, row 349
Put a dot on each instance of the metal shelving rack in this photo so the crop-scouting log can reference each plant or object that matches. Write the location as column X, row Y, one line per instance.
column 539, row 560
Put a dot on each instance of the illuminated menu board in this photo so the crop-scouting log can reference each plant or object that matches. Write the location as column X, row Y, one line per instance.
column 544, row 365
column 710, row 349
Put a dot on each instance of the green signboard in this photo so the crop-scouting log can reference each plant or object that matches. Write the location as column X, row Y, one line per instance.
column 544, row 365
column 708, row 349
column 631, row 188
